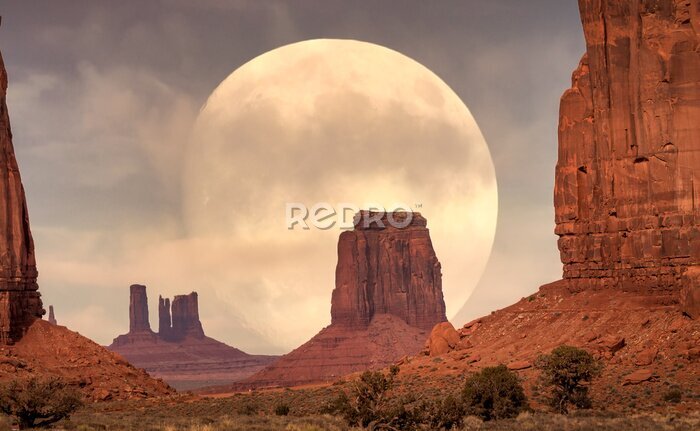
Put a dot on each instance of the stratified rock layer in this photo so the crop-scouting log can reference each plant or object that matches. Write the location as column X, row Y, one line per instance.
column 20, row 302
column 387, row 269
column 626, row 197
column 180, row 353
column 387, row 297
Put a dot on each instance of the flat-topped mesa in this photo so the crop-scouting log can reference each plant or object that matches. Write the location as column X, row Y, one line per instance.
column 625, row 197
column 379, row 220
column 20, row 302
column 138, row 310
column 185, row 317
column 387, row 266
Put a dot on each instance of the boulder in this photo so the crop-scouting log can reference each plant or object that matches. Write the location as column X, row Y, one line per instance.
column 638, row 377
column 443, row 339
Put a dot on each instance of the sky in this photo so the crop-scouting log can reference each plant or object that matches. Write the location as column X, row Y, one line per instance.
column 102, row 96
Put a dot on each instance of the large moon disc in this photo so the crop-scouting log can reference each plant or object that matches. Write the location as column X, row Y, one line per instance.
column 335, row 121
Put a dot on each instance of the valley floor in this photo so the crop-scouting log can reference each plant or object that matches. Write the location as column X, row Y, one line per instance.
column 255, row 412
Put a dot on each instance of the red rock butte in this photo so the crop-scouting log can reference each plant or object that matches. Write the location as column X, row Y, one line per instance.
column 626, row 198
column 387, row 297
column 20, row 301
column 180, row 353
column 626, row 214
column 387, row 265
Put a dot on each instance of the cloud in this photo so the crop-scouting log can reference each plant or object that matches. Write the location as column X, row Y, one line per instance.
column 102, row 96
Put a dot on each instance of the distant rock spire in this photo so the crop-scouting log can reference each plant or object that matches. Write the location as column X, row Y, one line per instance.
column 165, row 323
column 20, row 301
column 52, row 316
column 185, row 316
column 138, row 310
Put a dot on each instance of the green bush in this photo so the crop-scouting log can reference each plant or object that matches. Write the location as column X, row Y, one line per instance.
column 567, row 371
column 38, row 403
column 494, row 393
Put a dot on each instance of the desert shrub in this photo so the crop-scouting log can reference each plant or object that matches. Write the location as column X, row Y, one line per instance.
column 370, row 405
column 38, row 403
column 567, row 371
column 443, row 413
column 282, row 409
column 494, row 393
column 248, row 408
column 674, row 396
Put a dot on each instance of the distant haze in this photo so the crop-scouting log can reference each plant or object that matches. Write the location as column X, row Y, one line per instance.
column 103, row 98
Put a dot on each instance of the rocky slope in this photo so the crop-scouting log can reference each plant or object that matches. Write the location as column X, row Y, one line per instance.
column 180, row 353
column 52, row 350
column 388, row 295
column 30, row 346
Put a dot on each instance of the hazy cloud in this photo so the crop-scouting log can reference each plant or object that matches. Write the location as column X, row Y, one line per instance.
column 102, row 96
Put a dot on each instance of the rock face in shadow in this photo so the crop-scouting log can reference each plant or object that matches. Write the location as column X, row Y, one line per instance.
column 626, row 191
column 383, row 269
column 180, row 353
column 387, row 297
column 20, row 301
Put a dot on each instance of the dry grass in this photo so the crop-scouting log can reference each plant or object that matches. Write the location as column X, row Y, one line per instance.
column 248, row 413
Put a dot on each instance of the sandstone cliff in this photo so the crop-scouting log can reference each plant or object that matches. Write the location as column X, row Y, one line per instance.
column 387, row 296
column 180, row 353
column 626, row 213
column 626, row 197
column 20, row 302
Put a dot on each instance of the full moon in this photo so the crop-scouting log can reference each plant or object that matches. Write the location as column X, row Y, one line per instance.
column 330, row 121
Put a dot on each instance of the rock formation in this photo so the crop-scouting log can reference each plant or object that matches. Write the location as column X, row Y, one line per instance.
column 180, row 353
column 184, row 317
column 52, row 316
column 385, row 270
column 626, row 215
column 138, row 310
column 32, row 347
column 20, row 301
column 626, row 201
column 387, row 297
column 165, row 322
